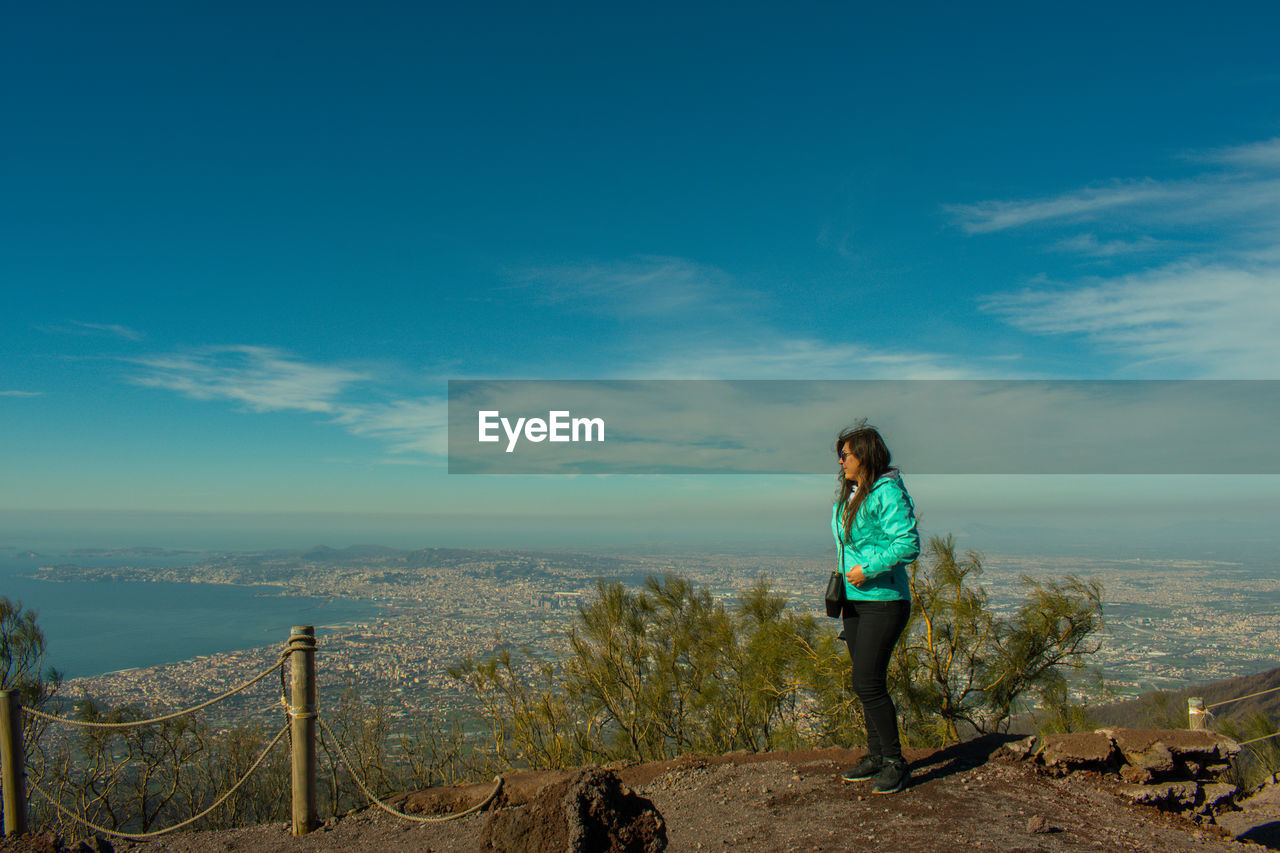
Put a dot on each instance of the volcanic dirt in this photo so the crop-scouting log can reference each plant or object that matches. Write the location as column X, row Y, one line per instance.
column 960, row 799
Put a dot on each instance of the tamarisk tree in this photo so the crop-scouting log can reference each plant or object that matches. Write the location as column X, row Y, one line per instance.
column 651, row 674
column 669, row 670
column 960, row 664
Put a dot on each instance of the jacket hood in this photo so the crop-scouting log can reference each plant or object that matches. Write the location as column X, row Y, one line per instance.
column 890, row 474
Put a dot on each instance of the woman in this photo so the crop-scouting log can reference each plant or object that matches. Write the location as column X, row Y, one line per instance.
column 874, row 523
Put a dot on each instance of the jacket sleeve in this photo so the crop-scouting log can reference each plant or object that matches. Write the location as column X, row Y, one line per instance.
column 897, row 520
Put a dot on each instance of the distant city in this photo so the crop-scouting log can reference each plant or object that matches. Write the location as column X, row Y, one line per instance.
column 1169, row 623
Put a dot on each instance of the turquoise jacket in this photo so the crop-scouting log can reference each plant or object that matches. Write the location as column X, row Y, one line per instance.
column 884, row 540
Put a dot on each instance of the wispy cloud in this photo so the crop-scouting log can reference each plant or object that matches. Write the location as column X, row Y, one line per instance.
column 1256, row 155
column 648, row 286
column 414, row 430
column 1205, row 303
column 1089, row 244
column 75, row 327
column 987, row 216
column 703, row 324
column 261, row 378
column 1242, row 189
column 1211, row 321
column 407, row 426
column 778, row 357
column 21, row 393
column 264, row 379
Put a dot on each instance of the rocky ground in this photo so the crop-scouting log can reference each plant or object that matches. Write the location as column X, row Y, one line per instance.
column 969, row 797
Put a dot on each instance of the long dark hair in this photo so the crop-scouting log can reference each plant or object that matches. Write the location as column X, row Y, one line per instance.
column 873, row 460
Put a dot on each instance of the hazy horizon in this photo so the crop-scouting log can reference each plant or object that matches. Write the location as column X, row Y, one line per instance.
column 1023, row 531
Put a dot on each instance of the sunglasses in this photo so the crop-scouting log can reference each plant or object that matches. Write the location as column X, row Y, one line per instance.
column 843, row 454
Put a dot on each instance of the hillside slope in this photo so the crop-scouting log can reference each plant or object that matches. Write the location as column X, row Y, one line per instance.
column 1135, row 712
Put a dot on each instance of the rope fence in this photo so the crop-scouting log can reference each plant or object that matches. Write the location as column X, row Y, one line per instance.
column 1198, row 713
column 497, row 787
column 143, row 836
column 1257, row 739
column 1240, row 698
column 299, row 705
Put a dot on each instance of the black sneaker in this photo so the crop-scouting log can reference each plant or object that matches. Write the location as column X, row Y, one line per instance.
column 869, row 766
column 892, row 778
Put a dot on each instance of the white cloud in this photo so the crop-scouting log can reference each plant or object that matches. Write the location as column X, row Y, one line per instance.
column 705, row 325
column 262, row 378
column 987, row 216
column 112, row 329
column 649, row 286
column 1089, row 244
column 1207, row 303
column 21, row 393
column 1256, row 155
column 1212, row 321
column 776, row 357
column 408, row 426
column 1240, row 199
column 75, row 327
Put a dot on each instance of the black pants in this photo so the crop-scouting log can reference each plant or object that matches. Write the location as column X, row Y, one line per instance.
column 871, row 629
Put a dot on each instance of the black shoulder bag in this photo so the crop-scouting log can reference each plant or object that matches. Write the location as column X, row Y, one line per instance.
column 835, row 597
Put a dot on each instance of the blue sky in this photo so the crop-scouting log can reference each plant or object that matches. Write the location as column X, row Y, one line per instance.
column 246, row 247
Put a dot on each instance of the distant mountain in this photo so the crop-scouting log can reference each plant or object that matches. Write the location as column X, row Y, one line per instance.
column 325, row 554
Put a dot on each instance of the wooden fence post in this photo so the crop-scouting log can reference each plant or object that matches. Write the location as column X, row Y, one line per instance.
column 302, row 719
column 1195, row 713
column 13, row 759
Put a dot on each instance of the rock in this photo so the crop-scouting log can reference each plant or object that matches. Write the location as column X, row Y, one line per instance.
column 1184, row 744
column 1018, row 750
column 1227, row 748
column 1169, row 795
column 1194, row 768
column 1157, row 758
column 1139, row 794
column 1038, row 825
column 1067, row 751
column 1258, row 819
column 1136, row 775
column 1216, row 796
column 589, row 812
column 1183, row 794
column 518, row 788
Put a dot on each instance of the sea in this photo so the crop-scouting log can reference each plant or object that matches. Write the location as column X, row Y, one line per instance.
column 96, row 627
